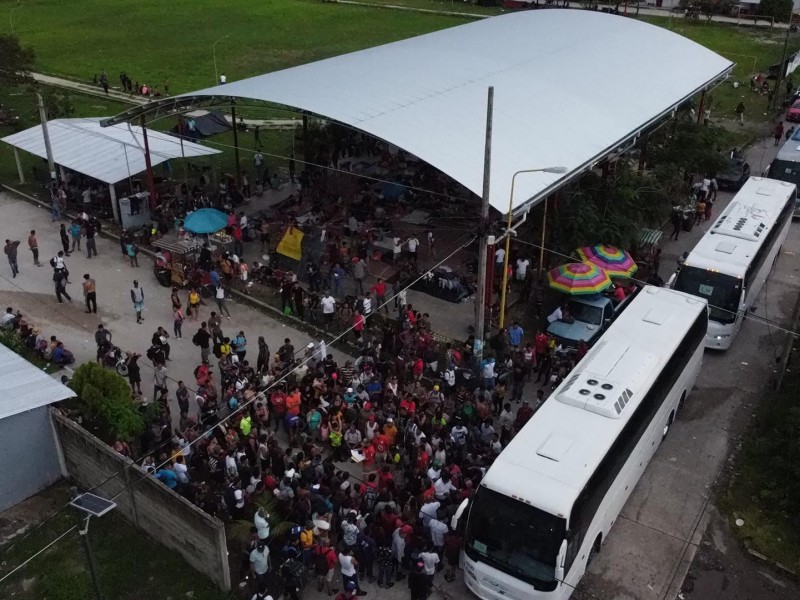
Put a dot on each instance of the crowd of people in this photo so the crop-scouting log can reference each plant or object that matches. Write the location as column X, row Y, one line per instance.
column 368, row 457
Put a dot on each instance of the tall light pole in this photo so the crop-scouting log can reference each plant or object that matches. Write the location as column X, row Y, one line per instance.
column 214, row 54
column 557, row 170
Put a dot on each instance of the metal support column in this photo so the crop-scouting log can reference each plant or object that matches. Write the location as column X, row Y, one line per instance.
column 480, row 293
column 151, row 186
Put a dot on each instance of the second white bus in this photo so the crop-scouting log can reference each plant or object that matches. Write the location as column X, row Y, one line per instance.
column 731, row 262
column 549, row 500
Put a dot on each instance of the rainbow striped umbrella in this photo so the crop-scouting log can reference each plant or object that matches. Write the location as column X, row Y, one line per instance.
column 578, row 278
column 615, row 262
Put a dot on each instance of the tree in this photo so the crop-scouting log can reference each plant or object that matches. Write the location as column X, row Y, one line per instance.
column 17, row 62
column 104, row 402
column 780, row 10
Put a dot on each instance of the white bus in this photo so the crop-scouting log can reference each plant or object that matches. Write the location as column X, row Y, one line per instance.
column 548, row 502
column 733, row 259
column 786, row 166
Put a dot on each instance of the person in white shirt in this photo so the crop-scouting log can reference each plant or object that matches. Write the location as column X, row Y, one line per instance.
column 430, row 559
column 429, row 511
column 181, row 471
column 412, row 244
column 556, row 315
column 367, row 305
column 328, row 303
column 522, row 268
column 442, row 487
column 7, row 319
column 438, row 530
column 261, row 522
column 499, row 257
column 397, row 248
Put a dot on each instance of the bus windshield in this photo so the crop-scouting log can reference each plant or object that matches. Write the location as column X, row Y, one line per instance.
column 723, row 292
column 585, row 312
column 515, row 538
column 785, row 170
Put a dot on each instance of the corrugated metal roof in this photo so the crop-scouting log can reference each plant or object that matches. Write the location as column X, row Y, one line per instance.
column 24, row 386
column 571, row 86
column 108, row 154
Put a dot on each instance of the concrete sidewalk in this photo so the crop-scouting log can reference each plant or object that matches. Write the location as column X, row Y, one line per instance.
column 32, row 292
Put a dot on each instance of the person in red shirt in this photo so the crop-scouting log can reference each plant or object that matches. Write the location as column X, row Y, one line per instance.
column 278, row 402
column 384, row 477
column 293, row 402
column 381, row 444
column 368, row 464
column 418, row 367
column 540, row 346
column 409, row 405
column 412, row 318
column 358, row 325
column 379, row 291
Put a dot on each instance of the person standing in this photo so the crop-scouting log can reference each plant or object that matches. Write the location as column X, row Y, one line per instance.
column 90, row 294
column 412, row 243
column 132, row 251
column 739, row 110
column 177, row 322
column 194, row 304
column 76, row 231
column 11, row 253
column 431, row 244
column 359, row 272
column 202, row 338
column 677, row 222
column 91, row 231
column 328, row 303
column 64, row 239
column 137, row 297
column 60, row 279
column 159, row 381
column 379, row 290
column 33, row 244
column 222, row 301
column 778, row 132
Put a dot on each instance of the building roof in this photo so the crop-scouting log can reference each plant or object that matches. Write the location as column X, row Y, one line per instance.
column 23, row 386
column 108, row 154
column 571, row 86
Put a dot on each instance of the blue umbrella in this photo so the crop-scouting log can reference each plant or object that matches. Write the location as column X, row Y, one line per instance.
column 205, row 220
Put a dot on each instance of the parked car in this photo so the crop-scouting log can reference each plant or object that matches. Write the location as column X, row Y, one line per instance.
column 793, row 112
column 734, row 176
column 591, row 316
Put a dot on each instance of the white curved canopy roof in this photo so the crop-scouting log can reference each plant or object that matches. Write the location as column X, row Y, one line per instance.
column 108, row 154
column 570, row 87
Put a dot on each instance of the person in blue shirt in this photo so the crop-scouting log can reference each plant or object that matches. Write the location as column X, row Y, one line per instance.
column 168, row 477
column 515, row 333
column 349, row 397
column 337, row 277
column 239, row 344
column 214, row 278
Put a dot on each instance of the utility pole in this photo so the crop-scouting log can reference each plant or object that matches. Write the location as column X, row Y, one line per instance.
column 782, row 65
column 238, row 170
column 151, row 186
column 48, row 150
column 483, row 243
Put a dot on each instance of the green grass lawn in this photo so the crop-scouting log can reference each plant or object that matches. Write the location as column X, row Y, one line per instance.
column 130, row 565
column 763, row 482
column 158, row 40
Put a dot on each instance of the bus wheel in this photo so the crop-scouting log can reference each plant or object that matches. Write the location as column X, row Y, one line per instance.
column 595, row 549
column 667, row 426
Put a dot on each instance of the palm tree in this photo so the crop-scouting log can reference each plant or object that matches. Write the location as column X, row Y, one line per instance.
column 278, row 525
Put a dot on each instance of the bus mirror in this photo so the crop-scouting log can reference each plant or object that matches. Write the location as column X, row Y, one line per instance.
column 562, row 555
column 455, row 521
column 671, row 280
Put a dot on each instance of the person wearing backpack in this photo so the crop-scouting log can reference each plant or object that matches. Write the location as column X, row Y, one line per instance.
column 325, row 561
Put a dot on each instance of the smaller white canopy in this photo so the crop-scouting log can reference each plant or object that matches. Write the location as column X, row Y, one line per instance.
column 108, row 154
column 23, row 386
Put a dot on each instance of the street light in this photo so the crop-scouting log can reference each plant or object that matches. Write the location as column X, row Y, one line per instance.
column 214, row 54
column 90, row 505
column 556, row 170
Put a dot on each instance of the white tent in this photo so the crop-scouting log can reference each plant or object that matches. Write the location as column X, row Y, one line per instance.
column 108, row 154
column 571, row 86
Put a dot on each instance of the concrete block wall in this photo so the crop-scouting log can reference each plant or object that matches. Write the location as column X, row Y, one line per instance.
column 145, row 502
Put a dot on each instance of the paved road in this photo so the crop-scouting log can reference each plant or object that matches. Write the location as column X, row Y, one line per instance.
column 32, row 292
column 657, row 535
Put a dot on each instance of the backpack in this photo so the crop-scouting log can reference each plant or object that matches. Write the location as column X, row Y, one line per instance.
column 295, row 572
column 196, row 339
column 53, row 262
column 370, row 498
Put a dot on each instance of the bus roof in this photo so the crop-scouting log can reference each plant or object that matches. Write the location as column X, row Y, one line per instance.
column 734, row 238
column 550, row 461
